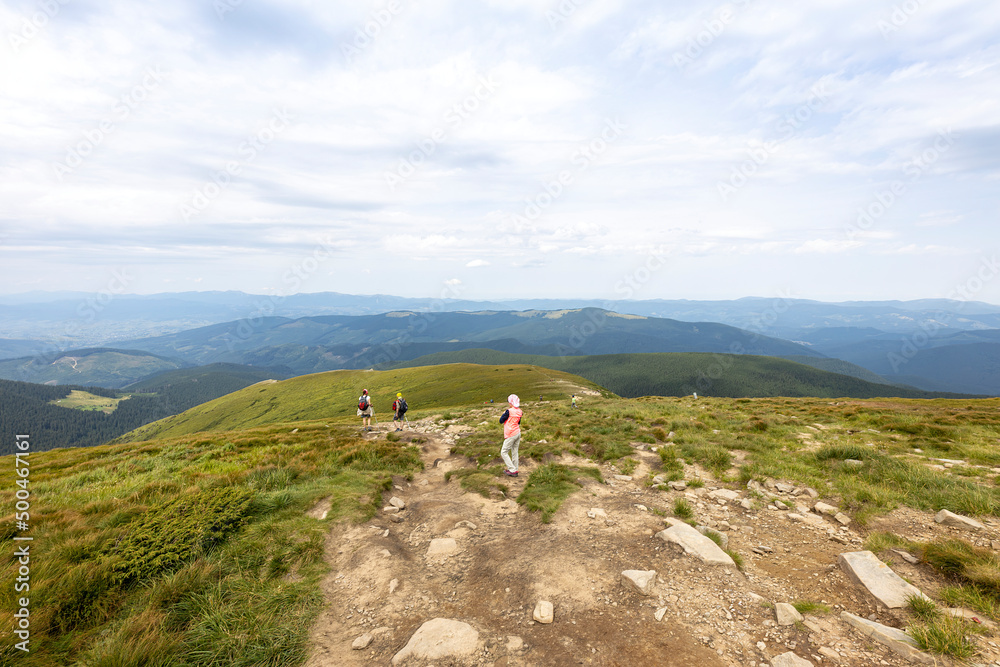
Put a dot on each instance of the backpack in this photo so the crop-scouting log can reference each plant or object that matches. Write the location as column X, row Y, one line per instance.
column 363, row 403
column 401, row 408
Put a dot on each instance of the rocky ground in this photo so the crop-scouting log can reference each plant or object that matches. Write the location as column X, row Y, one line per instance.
column 486, row 563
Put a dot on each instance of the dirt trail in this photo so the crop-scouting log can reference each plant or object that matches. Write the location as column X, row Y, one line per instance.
column 384, row 584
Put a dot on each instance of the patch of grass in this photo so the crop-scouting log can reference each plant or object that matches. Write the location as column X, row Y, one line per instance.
column 549, row 485
column 922, row 608
column 683, row 509
column 484, row 481
column 809, row 607
column 973, row 598
column 696, row 483
column 945, row 636
column 737, row 559
column 627, row 465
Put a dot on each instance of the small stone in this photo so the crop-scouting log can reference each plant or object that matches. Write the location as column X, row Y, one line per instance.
column 641, row 580
column 842, row 518
column 677, row 485
column 623, row 478
column 397, row 502
column 362, row 642
column 514, row 644
column 823, row 508
column 946, row 518
column 660, row 613
column 393, row 585
column 544, row 612
column 442, row 546
column 395, row 518
column 789, row 660
column 786, row 614
column 597, row 513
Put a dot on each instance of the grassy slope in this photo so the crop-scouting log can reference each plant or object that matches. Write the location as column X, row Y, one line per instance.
column 99, row 367
column 124, row 570
column 681, row 374
column 334, row 395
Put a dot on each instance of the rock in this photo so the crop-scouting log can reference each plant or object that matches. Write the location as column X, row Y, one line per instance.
column 544, row 613
column 362, row 642
column 597, row 513
column 694, row 543
column 642, row 508
column 393, row 585
column 897, row 640
column 782, row 487
column 946, row 518
column 390, row 509
column 746, row 504
column 623, row 478
column 442, row 546
column 395, row 518
column 811, row 492
column 659, row 614
column 660, row 479
column 677, row 485
column 908, row 557
column 789, row 660
column 724, row 494
column 440, row 639
column 397, row 503
column 854, row 463
column 295, row 430
column 842, row 518
column 786, row 614
column 823, row 508
column 514, row 644
column 829, row 654
column 723, row 538
column 864, row 568
column 641, row 580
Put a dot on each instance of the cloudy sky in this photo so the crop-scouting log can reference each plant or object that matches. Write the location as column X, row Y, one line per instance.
column 835, row 149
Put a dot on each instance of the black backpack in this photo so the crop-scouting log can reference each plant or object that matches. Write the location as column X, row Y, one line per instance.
column 401, row 408
column 363, row 403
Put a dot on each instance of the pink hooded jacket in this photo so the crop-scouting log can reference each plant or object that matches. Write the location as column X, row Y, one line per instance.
column 512, row 426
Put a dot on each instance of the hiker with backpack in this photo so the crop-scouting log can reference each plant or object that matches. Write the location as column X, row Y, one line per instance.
column 365, row 409
column 511, row 420
column 399, row 409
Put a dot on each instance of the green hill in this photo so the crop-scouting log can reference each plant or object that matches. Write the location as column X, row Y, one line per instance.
column 682, row 374
column 334, row 395
column 100, row 367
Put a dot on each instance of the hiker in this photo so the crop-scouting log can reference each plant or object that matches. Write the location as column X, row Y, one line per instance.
column 399, row 409
column 365, row 410
column 573, row 397
column 511, row 420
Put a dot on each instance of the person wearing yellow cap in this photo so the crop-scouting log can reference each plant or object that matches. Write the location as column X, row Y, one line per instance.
column 399, row 409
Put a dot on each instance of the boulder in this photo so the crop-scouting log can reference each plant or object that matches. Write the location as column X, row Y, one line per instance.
column 946, row 518
column 694, row 543
column 894, row 638
column 442, row 546
column 864, row 568
column 440, row 639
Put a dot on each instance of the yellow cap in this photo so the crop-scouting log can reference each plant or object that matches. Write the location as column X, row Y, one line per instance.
column 399, row 396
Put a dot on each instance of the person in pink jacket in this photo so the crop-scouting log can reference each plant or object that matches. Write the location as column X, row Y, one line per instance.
column 511, row 420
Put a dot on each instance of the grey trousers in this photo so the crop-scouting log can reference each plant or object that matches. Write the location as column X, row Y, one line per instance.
column 510, row 445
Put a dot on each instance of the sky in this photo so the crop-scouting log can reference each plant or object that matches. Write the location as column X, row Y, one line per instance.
column 607, row 149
